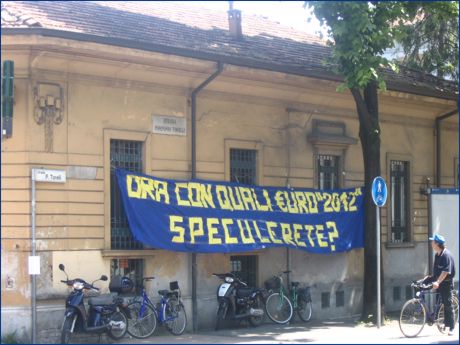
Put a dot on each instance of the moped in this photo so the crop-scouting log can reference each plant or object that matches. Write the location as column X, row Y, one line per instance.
column 104, row 314
column 237, row 301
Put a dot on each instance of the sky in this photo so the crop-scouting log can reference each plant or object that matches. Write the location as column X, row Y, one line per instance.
column 289, row 13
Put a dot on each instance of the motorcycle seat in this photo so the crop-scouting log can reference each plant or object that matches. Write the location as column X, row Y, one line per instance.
column 102, row 300
column 245, row 292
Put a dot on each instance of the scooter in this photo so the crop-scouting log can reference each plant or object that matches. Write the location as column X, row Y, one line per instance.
column 237, row 301
column 104, row 313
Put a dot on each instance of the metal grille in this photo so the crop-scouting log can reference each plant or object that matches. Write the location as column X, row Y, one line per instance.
column 327, row 168
column 399, row 175
column 243, row 166
column 132, row 268
column 126, row 155
column 245, row 268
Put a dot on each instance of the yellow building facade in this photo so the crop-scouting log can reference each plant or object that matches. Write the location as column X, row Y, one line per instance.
column 111, row 94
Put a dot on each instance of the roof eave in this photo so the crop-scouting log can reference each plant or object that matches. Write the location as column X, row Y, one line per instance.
column 237, row 61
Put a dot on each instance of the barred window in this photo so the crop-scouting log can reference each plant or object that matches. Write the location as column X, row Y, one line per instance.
column 243, row 166
column 327, row 169
column 399, row 179
column 126, row 155
column 245, row 268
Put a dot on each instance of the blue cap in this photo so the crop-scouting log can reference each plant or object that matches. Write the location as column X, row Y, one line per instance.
column 438, row 238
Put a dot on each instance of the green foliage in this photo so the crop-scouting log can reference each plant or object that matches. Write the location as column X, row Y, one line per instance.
column 359, row 33
column 430, row 40
column 10, row 338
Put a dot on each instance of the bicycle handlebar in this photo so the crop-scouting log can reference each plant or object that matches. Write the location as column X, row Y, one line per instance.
column 86, row 285
column 225, row 275
column 421, row 286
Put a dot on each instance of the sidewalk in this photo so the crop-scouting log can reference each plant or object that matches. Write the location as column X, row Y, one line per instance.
column 344, row 331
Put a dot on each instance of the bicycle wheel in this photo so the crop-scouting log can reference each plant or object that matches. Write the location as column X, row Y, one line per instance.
column 278, row 309
column 175, row 316
column 304, row 309
column 440, row 317
column 141, row 324
column 412, row 318
column 118, row 330
column 455, row 306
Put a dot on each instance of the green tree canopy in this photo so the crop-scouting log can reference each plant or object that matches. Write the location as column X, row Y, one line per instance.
column 359, row 34
column 429, row 40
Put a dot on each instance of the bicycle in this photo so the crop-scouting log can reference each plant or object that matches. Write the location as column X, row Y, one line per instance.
column 416, row 312
column 143, row 315
column 281, row 304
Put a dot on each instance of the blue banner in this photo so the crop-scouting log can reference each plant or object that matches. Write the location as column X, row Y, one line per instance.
column 222, row 217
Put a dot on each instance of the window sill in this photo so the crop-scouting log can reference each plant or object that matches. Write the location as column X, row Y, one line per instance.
column 400, row 245
column 132, row 254
column 253, row 252
column 141, row 253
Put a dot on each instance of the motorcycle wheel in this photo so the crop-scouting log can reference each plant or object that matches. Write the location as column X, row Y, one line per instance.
column 257, row 320
column 221, row 315
column 116, row 333
column 66, row 333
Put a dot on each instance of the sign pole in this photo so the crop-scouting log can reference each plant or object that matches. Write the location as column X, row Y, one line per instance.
column 379, row 196
column 38, row 175
column 34, row 276
column 379, row 307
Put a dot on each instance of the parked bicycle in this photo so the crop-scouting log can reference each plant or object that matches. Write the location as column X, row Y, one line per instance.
column 417, row 311
column 143, row 314
column 281, row 304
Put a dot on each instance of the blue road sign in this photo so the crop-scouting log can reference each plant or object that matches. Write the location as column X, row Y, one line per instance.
column 379, row 191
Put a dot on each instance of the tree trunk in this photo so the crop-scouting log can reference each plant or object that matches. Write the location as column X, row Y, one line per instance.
column 369, row 133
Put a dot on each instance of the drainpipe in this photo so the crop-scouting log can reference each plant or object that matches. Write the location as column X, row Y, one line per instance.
column 438, row 144
column 194, row 93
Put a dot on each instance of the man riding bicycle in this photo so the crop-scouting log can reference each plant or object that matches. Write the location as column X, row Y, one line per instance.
column 443, row 277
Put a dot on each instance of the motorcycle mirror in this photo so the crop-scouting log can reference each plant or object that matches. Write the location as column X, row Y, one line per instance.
column 104, row 278
column 62, row 268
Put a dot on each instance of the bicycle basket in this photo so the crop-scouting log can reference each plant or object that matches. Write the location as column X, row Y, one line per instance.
column 272, row 283
column 304, row 294
column 121, row 284
column 174, row 285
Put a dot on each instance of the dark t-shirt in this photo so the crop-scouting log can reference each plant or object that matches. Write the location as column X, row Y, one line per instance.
column 444, row 263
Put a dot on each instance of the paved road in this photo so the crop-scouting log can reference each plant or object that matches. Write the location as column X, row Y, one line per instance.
column 346, row 331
